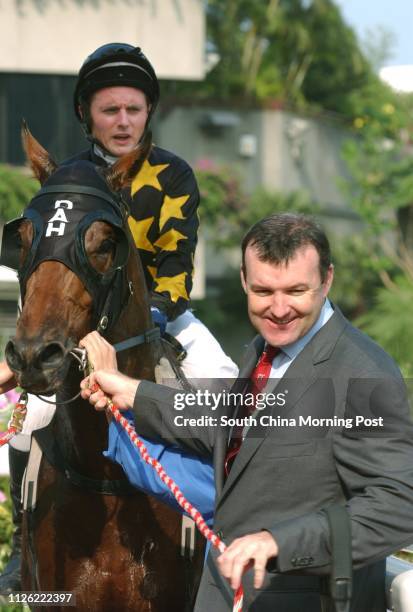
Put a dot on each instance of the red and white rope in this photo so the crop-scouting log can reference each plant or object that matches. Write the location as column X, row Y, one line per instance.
column 15, row 424
column 177, row 493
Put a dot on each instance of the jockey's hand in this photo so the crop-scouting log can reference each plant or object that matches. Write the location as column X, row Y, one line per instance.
column 110, row 384
column 252, row 550
column 7, row 378
column 101, row 355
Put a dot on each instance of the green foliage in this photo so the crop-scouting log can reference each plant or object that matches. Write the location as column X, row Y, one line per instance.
column 380, row 190
column 16, row 190
column 355, row 275
column 336, row 66
column 390, row 322
column 291, row 53
column 381, row 171
column 6, row 524
column 6, row 531
column 221, row 193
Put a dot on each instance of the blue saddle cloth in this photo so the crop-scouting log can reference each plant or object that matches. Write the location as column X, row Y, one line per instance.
column 193, row 474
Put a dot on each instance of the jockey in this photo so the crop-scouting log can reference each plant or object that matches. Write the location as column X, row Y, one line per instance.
column 115, row 97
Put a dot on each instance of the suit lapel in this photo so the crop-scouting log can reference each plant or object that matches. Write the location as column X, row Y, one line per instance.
column 251, row 356
column 301, row 374
column 298, row 378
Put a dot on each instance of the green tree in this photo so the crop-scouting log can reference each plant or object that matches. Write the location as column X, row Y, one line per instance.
column 16, row 191
column 381, row 185
column 381, row 191
column 289, row 52
column 390, row 321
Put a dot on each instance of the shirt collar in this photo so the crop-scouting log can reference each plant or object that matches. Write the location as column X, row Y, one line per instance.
column 293, row 349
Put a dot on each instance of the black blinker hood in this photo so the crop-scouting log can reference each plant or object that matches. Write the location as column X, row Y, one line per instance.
column 73, row 198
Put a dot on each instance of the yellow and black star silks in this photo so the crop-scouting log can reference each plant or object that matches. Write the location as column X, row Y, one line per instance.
column 163, row 199
column 164, row 223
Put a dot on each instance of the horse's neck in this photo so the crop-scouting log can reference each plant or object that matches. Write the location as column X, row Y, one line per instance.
column 80, row 431
column 83, row 431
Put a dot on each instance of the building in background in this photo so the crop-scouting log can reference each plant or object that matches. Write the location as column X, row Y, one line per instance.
column 44, row 42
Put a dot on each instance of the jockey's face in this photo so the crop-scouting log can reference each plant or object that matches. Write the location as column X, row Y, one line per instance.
column 118, row 117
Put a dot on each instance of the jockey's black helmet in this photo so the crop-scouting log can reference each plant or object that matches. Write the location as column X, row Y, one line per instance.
column 116, row 64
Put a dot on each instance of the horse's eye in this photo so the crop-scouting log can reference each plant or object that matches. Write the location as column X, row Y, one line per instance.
column 103, row 256
column 107, row 247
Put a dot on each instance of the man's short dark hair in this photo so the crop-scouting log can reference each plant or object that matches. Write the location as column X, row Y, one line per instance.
column 277, row 238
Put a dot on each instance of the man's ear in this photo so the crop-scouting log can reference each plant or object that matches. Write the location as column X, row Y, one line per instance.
column 328, row 279
column 80, row 111
column 243, row 279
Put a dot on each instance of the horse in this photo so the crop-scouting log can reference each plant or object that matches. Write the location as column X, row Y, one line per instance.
column 89, row 534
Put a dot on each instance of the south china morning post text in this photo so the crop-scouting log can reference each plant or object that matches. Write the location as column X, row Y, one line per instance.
column 211, row 403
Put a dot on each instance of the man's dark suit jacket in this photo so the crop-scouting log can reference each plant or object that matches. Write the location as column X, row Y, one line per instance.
column 284, row 476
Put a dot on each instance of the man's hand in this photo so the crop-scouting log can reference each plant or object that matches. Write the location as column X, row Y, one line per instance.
column 120, row 388
column 249, row 551
column 7, row 379
column 101, row 354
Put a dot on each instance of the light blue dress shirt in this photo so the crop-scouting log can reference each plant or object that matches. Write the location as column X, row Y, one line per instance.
column 289, row 352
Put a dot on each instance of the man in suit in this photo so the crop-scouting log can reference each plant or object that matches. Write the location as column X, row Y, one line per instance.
column 333, row 428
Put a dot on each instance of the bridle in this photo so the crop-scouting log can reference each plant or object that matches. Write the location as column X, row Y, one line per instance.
column 80, row 355
column 71, row 209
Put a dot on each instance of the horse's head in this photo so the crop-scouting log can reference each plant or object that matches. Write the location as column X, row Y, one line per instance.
column 70, row 249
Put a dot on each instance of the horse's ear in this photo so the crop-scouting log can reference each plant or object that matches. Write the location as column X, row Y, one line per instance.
column 39, row 159
column 122, row 173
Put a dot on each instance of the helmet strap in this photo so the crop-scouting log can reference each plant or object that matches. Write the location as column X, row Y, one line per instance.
column 101, row 152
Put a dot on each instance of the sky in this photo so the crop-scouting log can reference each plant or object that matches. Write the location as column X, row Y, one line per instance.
column 394, row 15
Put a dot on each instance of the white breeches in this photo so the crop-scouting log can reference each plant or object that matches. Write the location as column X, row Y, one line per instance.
column 205, row 359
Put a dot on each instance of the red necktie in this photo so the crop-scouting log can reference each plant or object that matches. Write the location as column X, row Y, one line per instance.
column 258, row 378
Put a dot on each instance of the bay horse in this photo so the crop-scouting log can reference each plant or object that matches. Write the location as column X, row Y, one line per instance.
column 89, row 534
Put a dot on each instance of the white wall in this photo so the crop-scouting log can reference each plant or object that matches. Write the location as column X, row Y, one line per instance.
column 55, row 36
column 9, row 284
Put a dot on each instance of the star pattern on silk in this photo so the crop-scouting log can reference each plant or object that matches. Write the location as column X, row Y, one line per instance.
column 174, row 285
column 172, row 208
column 140, row 231
column 147, row 176
column 169, row 240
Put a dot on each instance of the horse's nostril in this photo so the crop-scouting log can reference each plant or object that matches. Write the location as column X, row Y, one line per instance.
column 14, row 358
column 51, row 355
